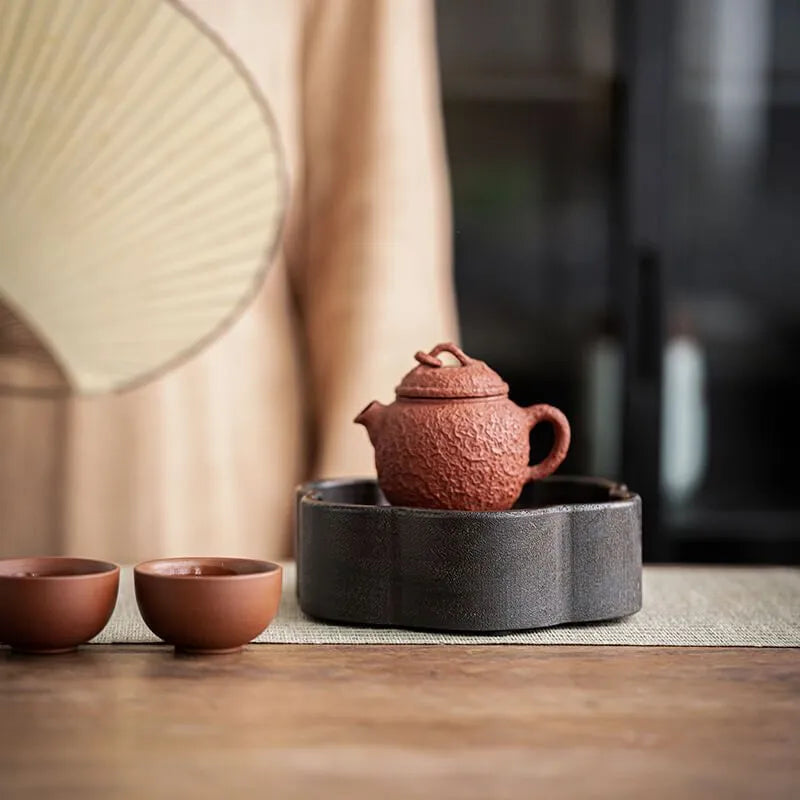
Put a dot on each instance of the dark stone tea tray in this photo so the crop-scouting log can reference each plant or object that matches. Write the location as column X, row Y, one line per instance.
column 570, row 551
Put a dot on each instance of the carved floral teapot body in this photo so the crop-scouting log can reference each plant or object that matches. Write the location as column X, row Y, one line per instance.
column 452, row 439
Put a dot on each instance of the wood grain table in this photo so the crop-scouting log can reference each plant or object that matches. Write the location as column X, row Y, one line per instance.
column 402, row 722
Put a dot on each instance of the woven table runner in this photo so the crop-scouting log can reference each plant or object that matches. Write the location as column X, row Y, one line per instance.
column 683, row 606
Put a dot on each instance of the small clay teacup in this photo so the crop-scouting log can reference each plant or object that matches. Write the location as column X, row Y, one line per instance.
column 51, row 605
column 208, row 605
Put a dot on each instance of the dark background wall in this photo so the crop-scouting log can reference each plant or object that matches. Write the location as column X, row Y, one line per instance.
column 559, row 114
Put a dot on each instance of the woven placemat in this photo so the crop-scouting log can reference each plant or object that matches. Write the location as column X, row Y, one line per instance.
column 683, row 606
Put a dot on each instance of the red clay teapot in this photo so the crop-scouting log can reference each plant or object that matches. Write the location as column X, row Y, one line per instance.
column 452, row 439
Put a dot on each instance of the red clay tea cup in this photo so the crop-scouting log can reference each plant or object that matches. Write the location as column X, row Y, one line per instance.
column 208, row 605
column 54, row 604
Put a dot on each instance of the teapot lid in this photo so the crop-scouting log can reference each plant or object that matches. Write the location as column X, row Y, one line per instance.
column 471, row 378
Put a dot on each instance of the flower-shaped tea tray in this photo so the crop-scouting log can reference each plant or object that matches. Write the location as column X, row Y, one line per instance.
column 569, row 551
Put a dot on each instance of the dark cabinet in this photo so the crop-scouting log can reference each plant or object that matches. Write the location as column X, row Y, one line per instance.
column 625, row 182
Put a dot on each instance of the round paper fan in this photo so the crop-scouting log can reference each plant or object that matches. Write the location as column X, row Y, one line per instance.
column 141, row 191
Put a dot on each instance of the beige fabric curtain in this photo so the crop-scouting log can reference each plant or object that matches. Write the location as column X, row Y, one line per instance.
column 204, row 460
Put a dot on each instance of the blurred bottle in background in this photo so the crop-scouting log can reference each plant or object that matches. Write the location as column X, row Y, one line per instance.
column 684, row 414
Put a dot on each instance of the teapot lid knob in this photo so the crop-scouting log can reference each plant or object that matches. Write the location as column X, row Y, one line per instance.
column 430, row 359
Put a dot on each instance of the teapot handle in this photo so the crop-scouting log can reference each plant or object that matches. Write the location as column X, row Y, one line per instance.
column 558, row 452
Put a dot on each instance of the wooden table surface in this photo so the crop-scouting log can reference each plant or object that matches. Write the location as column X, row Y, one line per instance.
column 402, row 722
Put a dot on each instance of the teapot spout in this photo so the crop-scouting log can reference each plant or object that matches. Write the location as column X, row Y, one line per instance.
column 371, row 418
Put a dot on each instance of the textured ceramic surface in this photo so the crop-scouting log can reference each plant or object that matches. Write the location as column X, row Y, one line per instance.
column 51, row 605
column 208, row 605
column 453, row 440
column 569, row 552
